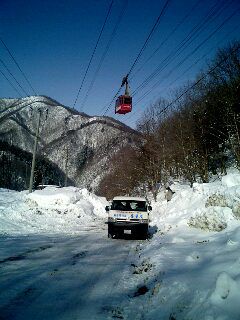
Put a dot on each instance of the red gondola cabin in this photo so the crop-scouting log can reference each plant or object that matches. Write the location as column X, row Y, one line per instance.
column 123, row 104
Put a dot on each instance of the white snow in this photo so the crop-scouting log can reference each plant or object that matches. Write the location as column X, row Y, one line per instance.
column 190, row 267
column 51, row 210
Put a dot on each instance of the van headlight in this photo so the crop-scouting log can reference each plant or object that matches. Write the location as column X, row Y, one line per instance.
column 111, row 219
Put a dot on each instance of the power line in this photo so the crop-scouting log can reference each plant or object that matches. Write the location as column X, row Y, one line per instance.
column 182, row 44
column 168, row 36
column 192, row 52
column 175, row 67
column 94, row 50
column 105, row 52
column 197, row 82
column 149, row 36
column 6, row 67
column 196, row 61
column 156, row 24
column 192, row 35
column 20, row 103
column 20, row 69
column 11, row 84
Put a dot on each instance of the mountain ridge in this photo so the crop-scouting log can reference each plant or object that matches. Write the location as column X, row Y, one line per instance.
column 77, row 143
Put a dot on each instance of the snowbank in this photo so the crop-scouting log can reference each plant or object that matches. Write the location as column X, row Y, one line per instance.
column 207, row 206
column 194, row 254
column 51, row 210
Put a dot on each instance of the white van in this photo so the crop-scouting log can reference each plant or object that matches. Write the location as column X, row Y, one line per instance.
column 129, row 215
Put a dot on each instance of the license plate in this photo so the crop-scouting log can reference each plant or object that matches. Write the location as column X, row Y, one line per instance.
column 127, row 231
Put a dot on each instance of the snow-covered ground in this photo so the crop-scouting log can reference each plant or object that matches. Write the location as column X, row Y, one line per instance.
column 56, row 261
column 50, row 211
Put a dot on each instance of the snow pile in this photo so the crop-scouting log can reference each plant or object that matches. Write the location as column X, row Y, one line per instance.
column 208, row 206
column 232, row 179
column 226, row 295
column 54, row 197
column 51, row 210
column 213, row 219
column 193, row 255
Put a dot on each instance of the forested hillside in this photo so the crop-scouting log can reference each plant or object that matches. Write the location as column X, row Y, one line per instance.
column 73, row 148
column 190, row 136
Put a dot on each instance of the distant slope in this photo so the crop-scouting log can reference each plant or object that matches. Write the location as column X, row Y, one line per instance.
column 77, row 143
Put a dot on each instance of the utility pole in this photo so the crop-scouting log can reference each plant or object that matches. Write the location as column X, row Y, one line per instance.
column 34, row 152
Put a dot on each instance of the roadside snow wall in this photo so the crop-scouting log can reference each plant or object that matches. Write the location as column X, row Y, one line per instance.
column 51, row 210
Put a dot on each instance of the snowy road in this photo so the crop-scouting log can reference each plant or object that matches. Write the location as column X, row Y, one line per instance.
column 189, row 269
column 63, row 277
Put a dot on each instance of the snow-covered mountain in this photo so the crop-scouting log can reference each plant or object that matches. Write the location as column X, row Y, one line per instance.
column 76, row 142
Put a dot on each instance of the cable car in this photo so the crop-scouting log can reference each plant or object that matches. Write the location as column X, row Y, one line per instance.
column 124, row 102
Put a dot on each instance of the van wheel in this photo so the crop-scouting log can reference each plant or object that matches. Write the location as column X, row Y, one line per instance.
column 144, row 233
column 110, row 232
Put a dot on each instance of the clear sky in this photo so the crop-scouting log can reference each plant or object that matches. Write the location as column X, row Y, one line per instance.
column 53, row 40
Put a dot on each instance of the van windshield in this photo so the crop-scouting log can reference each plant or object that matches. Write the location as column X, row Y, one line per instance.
column 129, row 205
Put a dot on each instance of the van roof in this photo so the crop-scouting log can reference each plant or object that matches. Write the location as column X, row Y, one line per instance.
column 129, row 198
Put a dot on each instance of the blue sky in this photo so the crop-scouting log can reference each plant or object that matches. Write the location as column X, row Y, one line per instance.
column 53, row 40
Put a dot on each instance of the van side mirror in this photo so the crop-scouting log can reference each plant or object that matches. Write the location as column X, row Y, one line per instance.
column 107, row 208
column 149, row 208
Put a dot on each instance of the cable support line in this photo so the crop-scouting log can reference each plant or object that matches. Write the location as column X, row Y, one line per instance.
column 109, row 106
column 191, row 53
column 198, row 47
column 149, row 36
column 197, row 82
column 186, row 70
column 168, row 37
column 105, row 52
column 17, row 64
column 198, row 60
column 11, row 84
column 15, row 103
column 9, row 71
column 18, row 103
column 156, row 24
column 192, row 35
column 93, row 53
column 181, row 47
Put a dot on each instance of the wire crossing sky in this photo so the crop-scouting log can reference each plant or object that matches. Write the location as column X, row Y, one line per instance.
column 94, row 50
column 52, row 43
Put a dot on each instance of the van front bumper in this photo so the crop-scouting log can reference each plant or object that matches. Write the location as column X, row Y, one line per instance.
column 127, row 225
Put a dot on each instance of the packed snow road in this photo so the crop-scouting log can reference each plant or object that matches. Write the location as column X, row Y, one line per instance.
column 189, row 269
column 65, row 277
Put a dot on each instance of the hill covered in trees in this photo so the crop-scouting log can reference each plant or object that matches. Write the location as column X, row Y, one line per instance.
column 73, row 148
column 191, row 136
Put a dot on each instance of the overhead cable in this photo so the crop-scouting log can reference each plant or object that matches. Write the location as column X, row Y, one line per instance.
column 168, row 37
column 11, row 84
column 198, row 81
column 192, row 35
column 9, row 71
column 18, row 66
column 149, row 36
column 156, row 24
column 105, row 53
column 94, row 50
column 192, row 52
